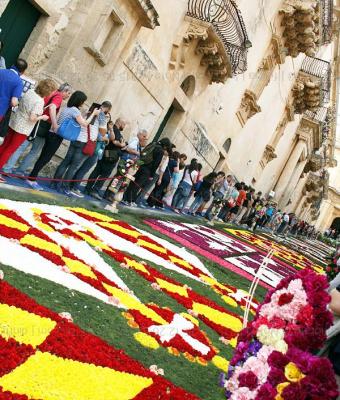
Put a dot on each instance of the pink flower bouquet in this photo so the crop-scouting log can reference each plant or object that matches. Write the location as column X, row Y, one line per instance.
column 273, row 357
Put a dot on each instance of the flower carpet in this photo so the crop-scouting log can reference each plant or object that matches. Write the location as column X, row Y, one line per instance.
column 93, row 307
column 237, row 250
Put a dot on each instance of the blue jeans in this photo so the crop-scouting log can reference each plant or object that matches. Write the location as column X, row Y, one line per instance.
column 196, row 204
column 29, row 160
column 181, row 196
column 71, row 163
column 84, row 169
column 10, row 165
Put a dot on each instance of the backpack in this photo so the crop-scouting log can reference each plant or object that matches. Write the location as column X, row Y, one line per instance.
column 147, row 153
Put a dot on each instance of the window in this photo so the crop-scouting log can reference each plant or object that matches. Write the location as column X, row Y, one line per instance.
column 105, row 38
column 188, row 85
column 227, row 145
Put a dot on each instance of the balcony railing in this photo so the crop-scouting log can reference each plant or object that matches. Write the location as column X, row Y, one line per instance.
column 228, row 24
column 318, row 116
column 326, row 14
column 320, row 69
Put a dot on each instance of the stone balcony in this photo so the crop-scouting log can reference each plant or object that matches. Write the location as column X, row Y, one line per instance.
column 222, row 37
column 312, row 88
column 148, row 13
column 307, row 25
column 315, row 163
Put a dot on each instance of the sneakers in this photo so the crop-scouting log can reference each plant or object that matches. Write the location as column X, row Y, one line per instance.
column 125, row 203
column 134, row 205
column 77, row 193
column 34, row 185
column 2, row 179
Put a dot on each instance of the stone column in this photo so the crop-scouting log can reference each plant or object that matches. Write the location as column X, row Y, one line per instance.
column 293, row 183
column 288, row 170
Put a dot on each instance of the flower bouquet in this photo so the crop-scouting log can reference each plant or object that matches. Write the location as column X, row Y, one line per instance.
column 273, row 359
column 126, row 170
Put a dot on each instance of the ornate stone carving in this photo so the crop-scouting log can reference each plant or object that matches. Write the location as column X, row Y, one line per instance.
column 197, row 30
column 150, row 17
column 209, row 45
column 268, row 156
column 311, row 132
column 248, row 107
column 304, row 25
column 307, row 93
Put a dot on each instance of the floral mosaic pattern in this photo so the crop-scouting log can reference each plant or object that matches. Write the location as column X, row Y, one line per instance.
column 71, row 247
column 241, row 256
column 45, row 356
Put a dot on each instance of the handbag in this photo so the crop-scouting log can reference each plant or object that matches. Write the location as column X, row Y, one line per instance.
column 41, row 128
column 69, row 129
column 90, row 146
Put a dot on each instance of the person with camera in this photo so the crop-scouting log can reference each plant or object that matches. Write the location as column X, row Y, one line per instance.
column 106, row 165
column 69, row 119
column 95, row 137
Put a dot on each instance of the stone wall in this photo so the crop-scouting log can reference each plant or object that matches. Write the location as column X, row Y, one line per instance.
column 141, row 70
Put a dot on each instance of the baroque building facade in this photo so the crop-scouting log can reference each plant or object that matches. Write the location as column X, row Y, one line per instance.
column 250, row 87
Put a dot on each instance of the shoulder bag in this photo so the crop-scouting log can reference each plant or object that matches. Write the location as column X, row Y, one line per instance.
column 69, row 130
column 41, row 128
column 90, row 146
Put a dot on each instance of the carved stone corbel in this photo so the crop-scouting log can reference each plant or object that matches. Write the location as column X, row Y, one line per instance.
column 268, row 156
column 208, row 45
column 197, row 30
column 248, row 107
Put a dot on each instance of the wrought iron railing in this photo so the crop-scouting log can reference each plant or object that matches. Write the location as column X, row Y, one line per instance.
column 321, row 69
column 326, row 14
column 227, row 21
column 319, row 115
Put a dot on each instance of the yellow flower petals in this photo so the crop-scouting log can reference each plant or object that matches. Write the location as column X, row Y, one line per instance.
column 221, row 363
column 24, row 327
column 146, row 340
column 46, row 376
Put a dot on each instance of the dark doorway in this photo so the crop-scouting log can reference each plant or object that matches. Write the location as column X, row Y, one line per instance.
column 164, row 123
column 17, row 23
column 336, row 225
column 170, row 121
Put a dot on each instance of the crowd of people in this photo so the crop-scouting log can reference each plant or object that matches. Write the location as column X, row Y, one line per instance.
column 40, row 122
